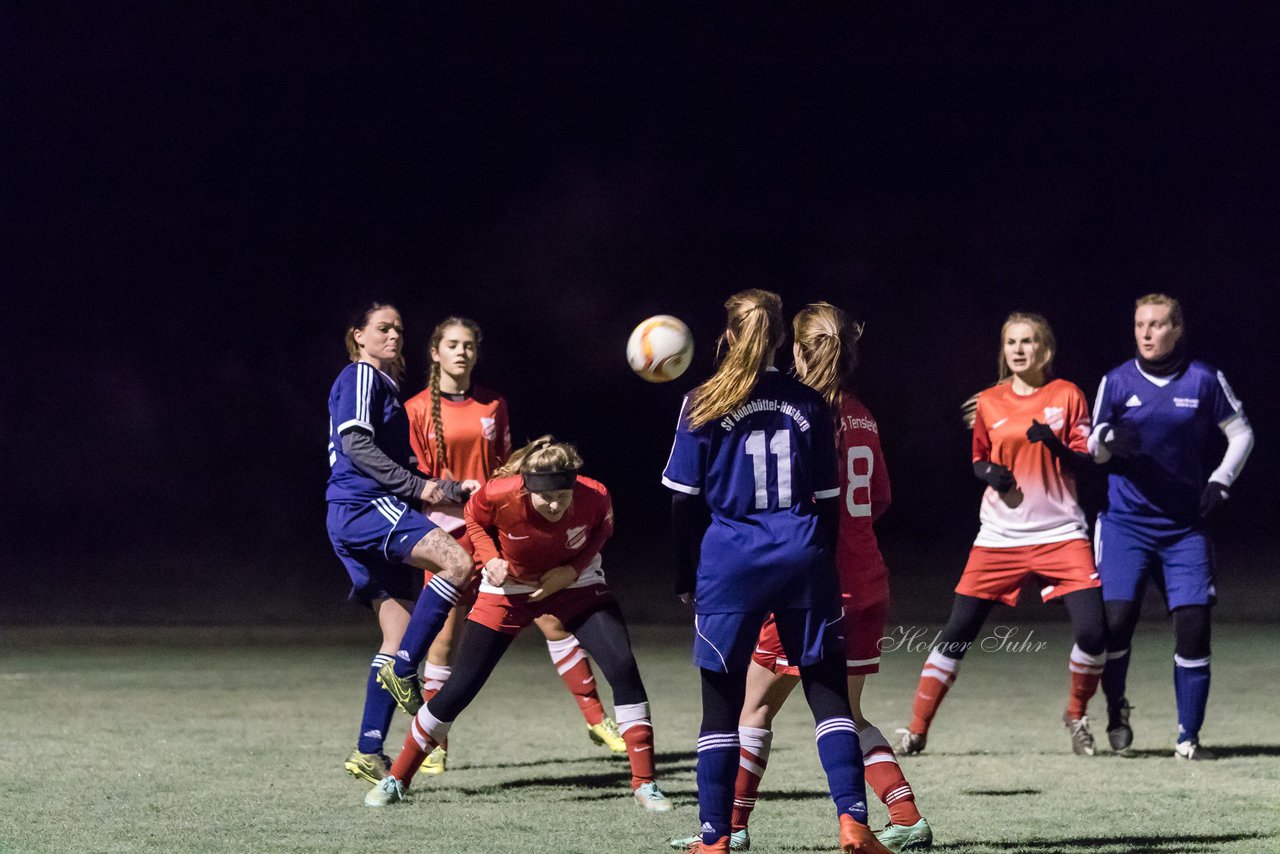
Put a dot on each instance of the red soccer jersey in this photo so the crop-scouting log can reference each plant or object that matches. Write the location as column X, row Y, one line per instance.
column 477, row 434
column 477, row 437
column 502, row 523
column 864, row 484
column 1042, row 508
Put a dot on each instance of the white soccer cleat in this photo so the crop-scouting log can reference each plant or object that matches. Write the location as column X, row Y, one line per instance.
column 649, row 796
column 388, row 791
column 1191, row 750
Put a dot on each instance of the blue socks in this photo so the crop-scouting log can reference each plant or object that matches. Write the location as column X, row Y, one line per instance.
column 432, row 609
column 1191, row 689
column 717, row 772
column 379, row 706
column 842, row 760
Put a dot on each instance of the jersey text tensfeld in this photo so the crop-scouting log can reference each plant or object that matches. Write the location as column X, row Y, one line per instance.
column 765, row 406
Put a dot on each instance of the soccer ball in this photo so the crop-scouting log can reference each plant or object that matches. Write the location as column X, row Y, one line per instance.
column 660, row 348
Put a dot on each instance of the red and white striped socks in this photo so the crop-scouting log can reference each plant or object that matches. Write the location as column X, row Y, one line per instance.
column 575, row 669
column 1086, row 672
column 937, row 677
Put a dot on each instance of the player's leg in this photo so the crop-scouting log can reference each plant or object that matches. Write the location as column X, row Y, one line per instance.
column 968, row 613
column 479, row 652
column 1088, row 656
column 1191, row 628
column 767, row 691
column 452, row 568
column 603, row 633
column 368, row 761
column 574, row 668
column 1123, row 556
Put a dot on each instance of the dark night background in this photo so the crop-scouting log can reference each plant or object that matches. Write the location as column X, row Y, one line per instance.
column 197, row 196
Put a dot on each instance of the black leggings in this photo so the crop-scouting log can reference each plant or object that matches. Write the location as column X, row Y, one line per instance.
column 602, row 633
column 825, row 689
column 1191, row 630
column 968, row 613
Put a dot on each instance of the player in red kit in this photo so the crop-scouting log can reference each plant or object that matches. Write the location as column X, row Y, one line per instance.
column 458, row 427
column 1030, row 435
column 826, row 355
column 537, row 529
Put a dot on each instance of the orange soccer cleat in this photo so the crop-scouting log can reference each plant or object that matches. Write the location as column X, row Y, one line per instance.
column 857, row 838
column 720, row 846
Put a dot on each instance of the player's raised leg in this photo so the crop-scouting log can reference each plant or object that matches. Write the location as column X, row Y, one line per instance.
column 968, row 613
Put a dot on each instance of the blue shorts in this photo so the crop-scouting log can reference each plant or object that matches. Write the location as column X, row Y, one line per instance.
column 726, row 642
column 372, row 540
column 1127, row 554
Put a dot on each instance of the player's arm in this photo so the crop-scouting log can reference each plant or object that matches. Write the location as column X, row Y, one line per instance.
column 599, row 535
column 881, row 494
column 992, row 474
column 1111, row 436
column 1073, row 455
column 478, row 515
column 1235, row 426
column 690, row 515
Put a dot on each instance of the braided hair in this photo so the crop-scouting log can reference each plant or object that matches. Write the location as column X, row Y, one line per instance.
column 433, row 380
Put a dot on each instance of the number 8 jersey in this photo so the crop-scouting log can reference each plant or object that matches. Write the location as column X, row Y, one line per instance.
column 760, row 468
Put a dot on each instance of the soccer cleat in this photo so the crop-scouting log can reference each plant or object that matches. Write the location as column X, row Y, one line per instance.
column 1191, row 750
column 436, row 762
column 1119, row 733
column 606, row 733
column 649, row 796
column 912, row 743
column 723, row 845
column 739, row 840
column 367, row 766
column 856, row 838
column 406, row 690
column 388, row 791
column 1081, row 739
column 906, row 837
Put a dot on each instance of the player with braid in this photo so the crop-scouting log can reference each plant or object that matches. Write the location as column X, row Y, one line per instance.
column 462, row 431
column 754, row 509
column 826, row 354
column 1159, row 416
column 374, row 526
column 538, row 529
column 1029, row 444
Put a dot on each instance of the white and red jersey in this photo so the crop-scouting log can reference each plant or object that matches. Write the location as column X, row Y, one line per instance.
column 502, row 523
column 477, row 438
column 1042, row 508
column 864, row 487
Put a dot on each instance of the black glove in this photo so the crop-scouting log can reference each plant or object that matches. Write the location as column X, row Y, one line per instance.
column 1213, row 497
column 1120, row 439
column 997, row 477
column 1038, row 432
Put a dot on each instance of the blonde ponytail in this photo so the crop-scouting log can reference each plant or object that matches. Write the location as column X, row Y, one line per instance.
column 826, row 349
column 542, row 454
column 753, row 331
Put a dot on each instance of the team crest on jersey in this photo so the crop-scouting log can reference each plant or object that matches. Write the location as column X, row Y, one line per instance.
column 1053, row 417
column 577, row 537
column 489, row 427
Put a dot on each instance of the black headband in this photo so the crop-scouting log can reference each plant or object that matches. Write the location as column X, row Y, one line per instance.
column 549, row 481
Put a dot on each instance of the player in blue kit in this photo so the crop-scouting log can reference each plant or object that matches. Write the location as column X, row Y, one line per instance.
column 756, row 449
column 377, row 534
column 1157, row 419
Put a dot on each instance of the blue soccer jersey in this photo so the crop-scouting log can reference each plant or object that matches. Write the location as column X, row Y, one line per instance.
column 365, row 398
column 760, row 469
column 1177, row 424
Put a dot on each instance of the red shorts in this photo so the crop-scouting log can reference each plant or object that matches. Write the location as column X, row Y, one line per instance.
column 863, row 628
column 998, row 574
column 509, row 614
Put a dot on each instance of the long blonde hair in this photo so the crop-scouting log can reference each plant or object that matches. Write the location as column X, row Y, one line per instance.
column 433, row 382
column 755, row 329
column 826, row 349
column 542, row 454
column 359, row 322
column 1044, row 334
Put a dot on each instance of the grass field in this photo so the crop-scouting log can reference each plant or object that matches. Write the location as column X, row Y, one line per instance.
column 232, row 740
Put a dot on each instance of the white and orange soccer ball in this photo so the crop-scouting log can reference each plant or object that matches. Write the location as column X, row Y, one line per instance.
column 660, row 348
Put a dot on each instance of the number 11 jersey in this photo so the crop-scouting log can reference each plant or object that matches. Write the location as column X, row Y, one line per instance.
column 760, row 469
